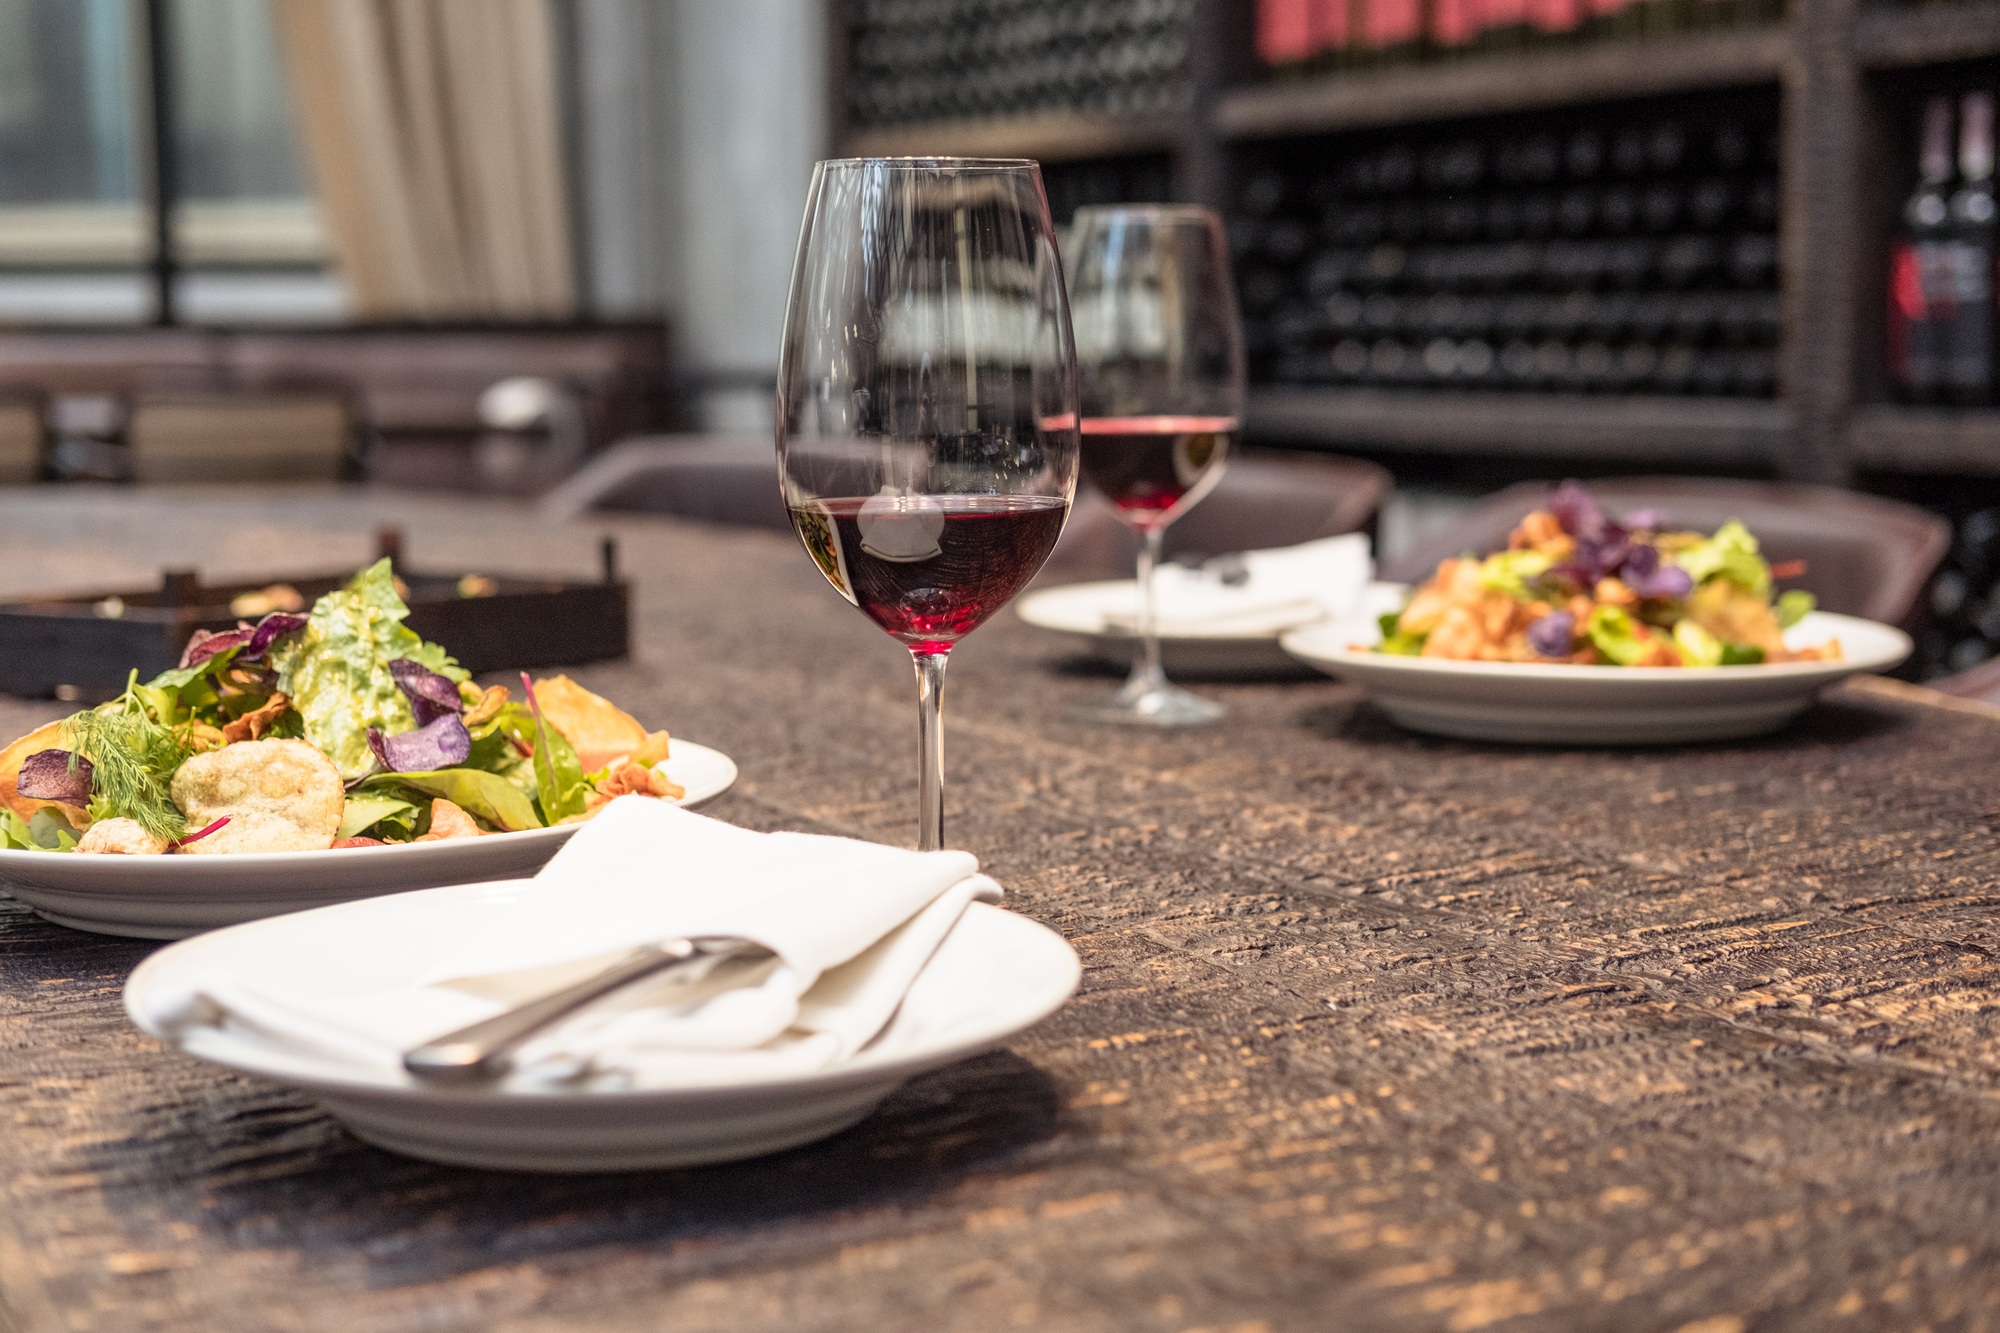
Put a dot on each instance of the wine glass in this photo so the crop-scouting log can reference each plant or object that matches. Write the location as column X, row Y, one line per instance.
column 1160, row 353
column 927, row 403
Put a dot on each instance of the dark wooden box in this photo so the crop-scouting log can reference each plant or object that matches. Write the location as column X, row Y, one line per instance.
column 85, row 647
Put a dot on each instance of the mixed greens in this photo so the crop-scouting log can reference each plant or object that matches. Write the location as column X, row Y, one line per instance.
column 1578, row 586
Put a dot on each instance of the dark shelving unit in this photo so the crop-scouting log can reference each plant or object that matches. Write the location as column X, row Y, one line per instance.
column 1843, row 73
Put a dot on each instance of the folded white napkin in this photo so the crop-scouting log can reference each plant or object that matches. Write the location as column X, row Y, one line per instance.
column 1281, row 588
column 851, row 925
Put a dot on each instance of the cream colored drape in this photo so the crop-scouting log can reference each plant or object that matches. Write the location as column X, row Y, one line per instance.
column 432, row 130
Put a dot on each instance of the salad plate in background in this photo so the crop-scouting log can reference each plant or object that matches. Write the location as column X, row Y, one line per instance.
column 309, row 759
column 1593, row 630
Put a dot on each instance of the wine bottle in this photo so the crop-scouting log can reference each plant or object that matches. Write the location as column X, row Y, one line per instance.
column 1917, row 320
column 1968, row 350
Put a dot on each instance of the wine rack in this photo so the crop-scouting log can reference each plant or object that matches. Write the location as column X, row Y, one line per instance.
column 1614, row 252
column 1651, row 346
column 917, row 61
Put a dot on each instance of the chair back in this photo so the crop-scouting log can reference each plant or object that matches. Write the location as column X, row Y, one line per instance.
column 716, row 478
column 1864, row 555
column 22, row 439
column 1266, row 498
column 302, row 436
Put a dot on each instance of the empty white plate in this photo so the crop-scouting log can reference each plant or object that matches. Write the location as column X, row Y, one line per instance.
column 1093, row 612
column 168, row 897
column 995, row 974
column 1557, row 704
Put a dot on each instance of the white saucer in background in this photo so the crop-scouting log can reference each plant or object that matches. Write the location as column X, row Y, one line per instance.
column 1092, row 613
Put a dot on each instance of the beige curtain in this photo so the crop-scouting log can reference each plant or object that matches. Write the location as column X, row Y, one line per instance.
column 432, row 129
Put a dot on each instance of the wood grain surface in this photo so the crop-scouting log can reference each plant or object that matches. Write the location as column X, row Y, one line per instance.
column 1376, row 1032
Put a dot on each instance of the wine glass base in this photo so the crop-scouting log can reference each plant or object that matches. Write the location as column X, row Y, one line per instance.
column 1153, row 706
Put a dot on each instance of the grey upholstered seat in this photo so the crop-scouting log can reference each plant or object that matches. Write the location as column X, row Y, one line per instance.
column 718, row 478
column 1266, row 498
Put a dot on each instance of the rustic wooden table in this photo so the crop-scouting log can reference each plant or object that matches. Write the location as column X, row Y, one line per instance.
column 1376, row 1032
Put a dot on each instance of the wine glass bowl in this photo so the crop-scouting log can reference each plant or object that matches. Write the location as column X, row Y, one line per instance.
column 927, row 402
column 1160, row 363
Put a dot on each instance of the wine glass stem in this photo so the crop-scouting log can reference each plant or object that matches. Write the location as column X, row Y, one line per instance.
column 930, row 762
column 1147, row 673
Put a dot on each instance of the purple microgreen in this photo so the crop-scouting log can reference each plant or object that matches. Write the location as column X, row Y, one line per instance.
column 1550, row 636
column 1644, row 520
column 55, row 775
column 270, row 629
column 438, row 744
column 196, row 836
column 431, row 696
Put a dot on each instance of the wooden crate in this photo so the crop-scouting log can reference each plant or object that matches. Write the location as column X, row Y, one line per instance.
column 85, row 647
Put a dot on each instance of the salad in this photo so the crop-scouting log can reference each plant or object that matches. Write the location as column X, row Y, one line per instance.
column 333, row 728
column 1575, row 585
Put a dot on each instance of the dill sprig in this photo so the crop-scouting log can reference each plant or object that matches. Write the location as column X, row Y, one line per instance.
column 132, row 759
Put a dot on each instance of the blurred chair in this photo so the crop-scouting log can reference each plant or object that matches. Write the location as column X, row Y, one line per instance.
column 303, row 436
column 22, row 450
column 716, row 478
column 534, row 433
column 1981, row 682
column 1266, row 498
column 1864, row 555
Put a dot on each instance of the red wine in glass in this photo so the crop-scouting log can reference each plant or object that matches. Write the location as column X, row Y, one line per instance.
column 930, row 569
column 1150, row 466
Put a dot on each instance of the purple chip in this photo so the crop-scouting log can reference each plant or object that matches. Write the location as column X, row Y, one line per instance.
column 46, row 776
column 206, row 643
column 1576, row 510
column 1648, row 576
column 271, row 628
column 1550, row 636
column 431, row 696
column 254, row 640
column 438, row 744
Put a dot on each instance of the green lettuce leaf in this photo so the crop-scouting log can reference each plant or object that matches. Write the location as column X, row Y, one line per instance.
column 367, row 809
column 1511, row 572
column 1616, row 635
column 1741, row 654
column 485, row 796
column 559, row 781
column 1730, row 554
column 14, row 834
column 336, row 669
column 51, row 831
column 1794, row 606
column 1698, row 647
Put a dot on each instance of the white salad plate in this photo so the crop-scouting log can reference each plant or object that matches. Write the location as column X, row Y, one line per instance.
column 1096, row 614
column 995, row 974
column 169, row 897
column 1596, row 705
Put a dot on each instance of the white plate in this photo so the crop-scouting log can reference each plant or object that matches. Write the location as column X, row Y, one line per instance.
column 1087, row 610
column 169, row 897
column 1596, row 705
column 995, row 974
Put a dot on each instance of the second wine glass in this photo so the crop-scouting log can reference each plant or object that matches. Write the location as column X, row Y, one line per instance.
column 1160, row 358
